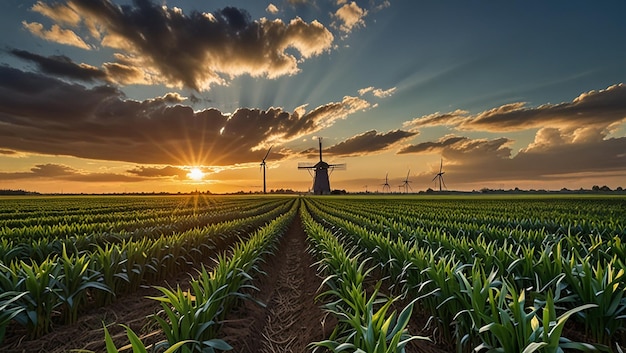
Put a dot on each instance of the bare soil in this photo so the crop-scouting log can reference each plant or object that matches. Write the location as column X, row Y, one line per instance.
column 291, row 318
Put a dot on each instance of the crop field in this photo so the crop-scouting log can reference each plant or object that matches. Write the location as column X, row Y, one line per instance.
column 301, row 273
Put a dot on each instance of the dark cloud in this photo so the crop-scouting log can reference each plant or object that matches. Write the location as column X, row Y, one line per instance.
column 594, row 109
column 8, row 152
column 49, row 116
column 63, row 172
column 369, row 143
column 52, row 170
column 431, row 146
column 158, row 172
column 479, row 160
column 571, row 138
column 436, row 119
column 60, row 65
column 158, row 44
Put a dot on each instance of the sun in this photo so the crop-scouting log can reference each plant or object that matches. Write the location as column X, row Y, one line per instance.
column 195, row 174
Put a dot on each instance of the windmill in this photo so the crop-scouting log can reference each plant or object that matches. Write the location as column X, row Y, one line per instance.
column 406, row 182
column 263, row 166
column 321, row 184
column 386, row 186
column 440, row 176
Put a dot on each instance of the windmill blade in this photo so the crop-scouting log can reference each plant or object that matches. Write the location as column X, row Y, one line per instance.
column 340, row 166
column 267, row 154
column 306, row 166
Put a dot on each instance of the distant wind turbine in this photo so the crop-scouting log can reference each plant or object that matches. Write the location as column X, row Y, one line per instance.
column 440, row 176
column 263, row 166
column 386, row 187
column 406, row 182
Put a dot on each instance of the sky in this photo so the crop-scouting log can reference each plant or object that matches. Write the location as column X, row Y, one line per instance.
column 108, row 96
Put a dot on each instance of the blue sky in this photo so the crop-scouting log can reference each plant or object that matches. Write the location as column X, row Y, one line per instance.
column 111, row 96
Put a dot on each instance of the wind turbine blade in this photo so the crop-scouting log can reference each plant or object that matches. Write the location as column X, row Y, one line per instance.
column 435, row 177
column 268, row 153
column 441, row 166
column 444, row 183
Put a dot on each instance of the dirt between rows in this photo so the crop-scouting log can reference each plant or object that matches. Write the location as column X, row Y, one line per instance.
column 290, row 320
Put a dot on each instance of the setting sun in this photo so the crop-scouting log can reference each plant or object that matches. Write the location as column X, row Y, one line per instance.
column 195, row 174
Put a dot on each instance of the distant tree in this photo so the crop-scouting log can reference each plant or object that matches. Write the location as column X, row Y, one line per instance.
column 595, row 188
column 619, row 188
column 605, row 188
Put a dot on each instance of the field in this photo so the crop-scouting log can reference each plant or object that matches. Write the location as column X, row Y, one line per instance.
column 294, row 274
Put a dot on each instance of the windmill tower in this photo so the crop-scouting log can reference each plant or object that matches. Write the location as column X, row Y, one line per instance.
column 406, row 182
column 386, row 187
column 321, row 183
column 440, row 176
column 263, row 166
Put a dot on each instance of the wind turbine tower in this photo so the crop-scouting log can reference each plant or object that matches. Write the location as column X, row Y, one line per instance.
column 440, row 176
column 263, row 166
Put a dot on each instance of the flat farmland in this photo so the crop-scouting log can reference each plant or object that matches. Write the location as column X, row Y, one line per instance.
column 372, row 273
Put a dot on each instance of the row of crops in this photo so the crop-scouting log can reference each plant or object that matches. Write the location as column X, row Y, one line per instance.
column 496, row 275
column 510, row 275
column 49, row 272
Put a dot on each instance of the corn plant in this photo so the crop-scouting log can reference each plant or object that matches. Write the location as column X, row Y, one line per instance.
column 40, row 284
column 602, row 286
column 516, row 329
column 109, row 262
column 8, row 310
column 366, row 329
column 191, row 318
column 136, row 344
column 75, row 279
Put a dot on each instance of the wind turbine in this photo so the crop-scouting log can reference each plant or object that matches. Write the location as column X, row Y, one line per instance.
column 386, row 184
column 263, row 166
column 406, row 182
column 440, row 176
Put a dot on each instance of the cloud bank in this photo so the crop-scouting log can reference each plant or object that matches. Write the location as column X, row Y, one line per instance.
column 66, row 173
column 160, row 45
column 570, row 138
column 370, row 142
column 101, row 123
